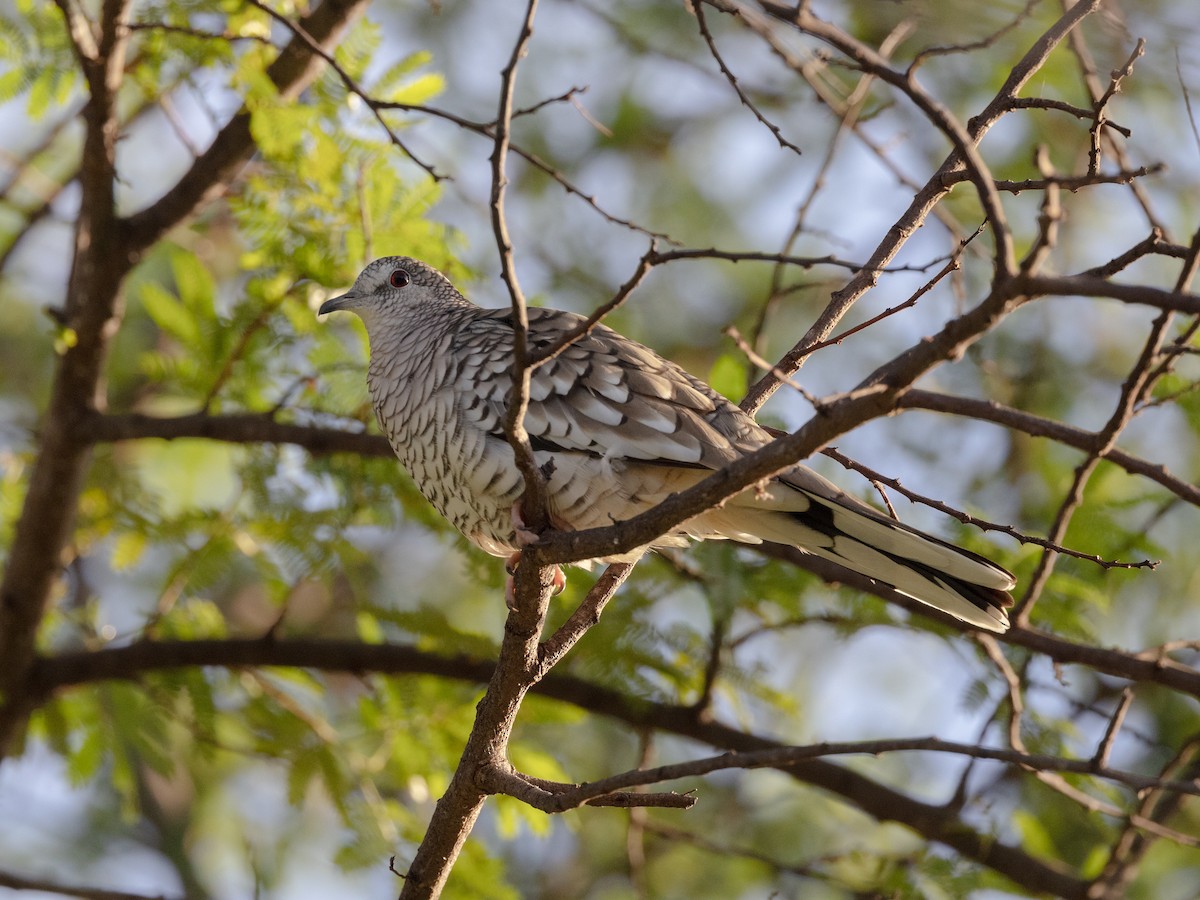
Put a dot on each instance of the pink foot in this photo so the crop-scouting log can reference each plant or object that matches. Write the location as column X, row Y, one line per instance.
column 510, row 566
column 525, row 536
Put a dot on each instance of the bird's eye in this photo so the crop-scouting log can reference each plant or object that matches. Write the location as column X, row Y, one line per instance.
column 399, row 278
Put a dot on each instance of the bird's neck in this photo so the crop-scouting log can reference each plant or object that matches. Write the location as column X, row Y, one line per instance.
column 408, row 345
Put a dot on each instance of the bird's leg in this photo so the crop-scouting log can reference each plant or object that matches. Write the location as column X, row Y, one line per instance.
column 510, row 566
column 525, row 537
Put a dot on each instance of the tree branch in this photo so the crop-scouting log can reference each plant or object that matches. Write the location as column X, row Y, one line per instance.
column 20, row 883
column 106, row 248
column 292, row 71
column 235, row 428
column 91, row 315
column 1028, row 423
column 933, row 822
column 925, row 200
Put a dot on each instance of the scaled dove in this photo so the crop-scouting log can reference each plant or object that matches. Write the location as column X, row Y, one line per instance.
column 621, row 429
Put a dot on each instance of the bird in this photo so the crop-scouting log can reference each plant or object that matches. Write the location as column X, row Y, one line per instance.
column 616, row 428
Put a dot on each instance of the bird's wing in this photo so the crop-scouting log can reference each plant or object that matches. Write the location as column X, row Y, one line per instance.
column 608, row 396
column 604, row 395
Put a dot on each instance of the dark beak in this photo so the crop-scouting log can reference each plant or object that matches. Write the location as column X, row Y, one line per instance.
column 335, row 303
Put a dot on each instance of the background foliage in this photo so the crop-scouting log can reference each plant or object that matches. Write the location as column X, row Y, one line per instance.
column 255, row 657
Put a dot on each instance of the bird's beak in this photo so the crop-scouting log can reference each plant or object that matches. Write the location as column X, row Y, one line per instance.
column 345, row 301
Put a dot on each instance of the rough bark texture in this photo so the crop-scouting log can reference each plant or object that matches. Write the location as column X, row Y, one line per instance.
column 106, row 248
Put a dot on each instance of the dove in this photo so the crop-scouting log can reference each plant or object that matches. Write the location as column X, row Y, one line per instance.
column 616, row 428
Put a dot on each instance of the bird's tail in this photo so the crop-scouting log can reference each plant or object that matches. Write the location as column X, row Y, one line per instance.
column 806, row 511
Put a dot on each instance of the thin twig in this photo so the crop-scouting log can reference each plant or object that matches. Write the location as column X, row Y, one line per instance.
column 1104, row 750
column 981, row 44
column 1101, row 106
column 541, row 357
column 982, row 524
column 351, row 85
column 698, row 10
column 559, row 797
column 534, row 503
column 488, row 130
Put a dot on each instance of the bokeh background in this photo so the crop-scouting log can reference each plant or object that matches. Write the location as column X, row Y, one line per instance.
column 286, row 783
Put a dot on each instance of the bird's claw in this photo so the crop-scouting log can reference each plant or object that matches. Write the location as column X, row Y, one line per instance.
column 510, row 566
column 524, row 535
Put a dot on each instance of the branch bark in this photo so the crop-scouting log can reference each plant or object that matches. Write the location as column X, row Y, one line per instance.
column 292, row 71
column 934, row 822
column 91, row 316
column 106, row 248
column 929, row 196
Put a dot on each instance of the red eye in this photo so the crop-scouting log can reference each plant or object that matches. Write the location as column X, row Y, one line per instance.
column 399, row 278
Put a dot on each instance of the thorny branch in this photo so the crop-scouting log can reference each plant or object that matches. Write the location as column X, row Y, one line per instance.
column 698, row 11
column 488, row 130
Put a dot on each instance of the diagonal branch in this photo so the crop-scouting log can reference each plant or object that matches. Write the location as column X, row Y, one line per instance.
column 106, row 248
column 880, row 480
column 934, row 822
column 925, row 199
column 876, row 396
column 292, row 71
column 698, row 11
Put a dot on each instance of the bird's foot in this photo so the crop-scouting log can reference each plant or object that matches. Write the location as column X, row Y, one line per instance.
column 525, row 535
column 510, row 566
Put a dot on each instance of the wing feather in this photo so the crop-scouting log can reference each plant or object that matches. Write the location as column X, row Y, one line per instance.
column 611, row 398
column 604, row 395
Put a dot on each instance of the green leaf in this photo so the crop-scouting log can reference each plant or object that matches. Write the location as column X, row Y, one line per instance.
column 13, row 83
column 194, row 284
column 169, row 313
column 85, row 762
column 279, row 130
column 420, row 90
column 50, row 88
column 128, row 549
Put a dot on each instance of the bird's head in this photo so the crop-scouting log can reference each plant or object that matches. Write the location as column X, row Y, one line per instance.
column 389, row 285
